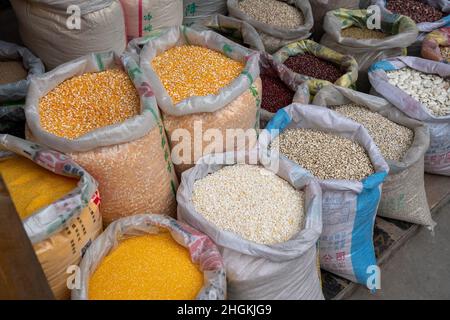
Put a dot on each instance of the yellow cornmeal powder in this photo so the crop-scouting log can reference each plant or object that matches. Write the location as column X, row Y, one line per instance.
column 187, row 71
column 151, row 267
column 32, row 187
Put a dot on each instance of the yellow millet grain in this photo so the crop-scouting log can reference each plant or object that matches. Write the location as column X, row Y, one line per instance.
column 187, row 71
column 88, row 102
column 151, row 267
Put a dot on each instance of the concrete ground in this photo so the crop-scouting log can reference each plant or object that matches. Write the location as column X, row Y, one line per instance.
column 418, row 270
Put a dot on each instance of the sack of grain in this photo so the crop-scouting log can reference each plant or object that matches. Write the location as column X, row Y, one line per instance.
column 276, row 28
column 349, row 205
column 285, row 269
column 422, row 92
column 62, row 231
column 429, row 15
column 279, row 88
column 325, row 63
column 142, row 17
column 321, row 7
column 346, row 32
column 423, row 14
column 202, row 252
column 60, row 31
column 130, row 159
column 17, row 64
column 236, row 30
column 233, row 105
column 403, row 197
column 197, row 10
column 436, row 45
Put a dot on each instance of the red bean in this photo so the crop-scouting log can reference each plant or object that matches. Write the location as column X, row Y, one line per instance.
column 311, row 66
column 416, row 10
column 275, row 94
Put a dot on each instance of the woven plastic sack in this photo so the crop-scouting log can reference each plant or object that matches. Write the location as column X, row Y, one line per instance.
column 432, row 43
column 275, row 37
column 403, row 197
column 144, row 16
column 61, row 232
column 321, row 7
column 442, row 5
column 43, row 26
column 437, row 157
column 255, row 271
column 424, row 27
column 402, row 30
column 202, row 251
column 197, row 10
column 236, row 106
column 129, row 160
column 349, row 207
column 347, row 64
column 18, row 90
column 236, row 30
column 268, row 65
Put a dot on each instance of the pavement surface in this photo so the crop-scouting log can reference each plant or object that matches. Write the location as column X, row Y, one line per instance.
column 420, row 269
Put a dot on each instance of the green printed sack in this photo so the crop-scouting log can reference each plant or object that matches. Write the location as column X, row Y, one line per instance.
column 196, row 10
column 401, row 32
column 236, row 106
column 347, row 64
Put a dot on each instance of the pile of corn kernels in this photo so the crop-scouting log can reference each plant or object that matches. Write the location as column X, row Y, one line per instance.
column 429, row 89
column 84, row 103
column 188, row 70
column 250, row 201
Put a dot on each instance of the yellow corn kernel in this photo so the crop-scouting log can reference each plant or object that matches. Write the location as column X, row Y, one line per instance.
column 88, row 102
column 187, row 71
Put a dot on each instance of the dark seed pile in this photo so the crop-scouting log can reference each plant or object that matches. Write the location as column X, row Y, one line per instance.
column 309, row 65
column 416, row 10
column 276, row 94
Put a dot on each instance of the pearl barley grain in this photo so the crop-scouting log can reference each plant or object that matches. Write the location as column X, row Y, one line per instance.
column 392, row 139
column 273, row 12
column 325, row 155
column 250, row 201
